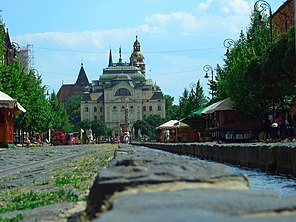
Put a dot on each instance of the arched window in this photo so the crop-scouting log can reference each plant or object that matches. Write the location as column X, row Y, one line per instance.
column 95, row 109
column 144, row 108
column 150, row 108
column 159, row 108
column 95, row 117
column 101, row 109
column 86, row 109
column 123, row 92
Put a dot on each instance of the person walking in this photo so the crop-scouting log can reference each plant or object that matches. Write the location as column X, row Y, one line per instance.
column 167, row 135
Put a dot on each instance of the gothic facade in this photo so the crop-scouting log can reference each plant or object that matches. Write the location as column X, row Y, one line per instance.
column 122, row 94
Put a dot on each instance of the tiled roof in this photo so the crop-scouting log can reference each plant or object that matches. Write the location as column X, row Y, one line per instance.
column 65, row 92
column 157, row 96
column 82, row 78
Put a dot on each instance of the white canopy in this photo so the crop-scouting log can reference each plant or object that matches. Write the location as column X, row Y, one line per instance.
column 7, row 102
column 172, row 124
column 218, row 106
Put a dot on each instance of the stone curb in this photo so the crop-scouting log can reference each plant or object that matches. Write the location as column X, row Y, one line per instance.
column 142, row 184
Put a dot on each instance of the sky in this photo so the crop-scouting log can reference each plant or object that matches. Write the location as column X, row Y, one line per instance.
column 178, row 38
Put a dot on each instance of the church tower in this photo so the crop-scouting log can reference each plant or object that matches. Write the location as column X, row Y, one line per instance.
column 137, row 58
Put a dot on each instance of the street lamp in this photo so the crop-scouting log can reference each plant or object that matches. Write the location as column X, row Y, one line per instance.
column 228, row 43
column 46, row 90
column 16, row 48
column 261, row 6
column 207, row 69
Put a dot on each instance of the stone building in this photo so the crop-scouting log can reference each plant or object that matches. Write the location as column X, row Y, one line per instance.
column 283, row 18
column 122, row 95
column 69, row 90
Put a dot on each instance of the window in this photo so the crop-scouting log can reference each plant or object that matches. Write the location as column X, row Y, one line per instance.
column 114, row 107
column 1, row 118
column 95, row 117
column 101, row 109
column 123, row 92
column 95, row 109
column 132, row 107
column 86, row 109
column 159, row 108
column 150, row 108
column 144, row 108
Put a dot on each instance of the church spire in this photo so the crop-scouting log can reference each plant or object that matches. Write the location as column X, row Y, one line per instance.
column 110, row 59
column 120, row 59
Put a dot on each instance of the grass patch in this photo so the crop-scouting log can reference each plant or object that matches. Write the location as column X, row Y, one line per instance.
column 33, row 199
column 66, row 180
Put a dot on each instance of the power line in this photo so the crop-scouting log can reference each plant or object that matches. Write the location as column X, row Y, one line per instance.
column 145, row 52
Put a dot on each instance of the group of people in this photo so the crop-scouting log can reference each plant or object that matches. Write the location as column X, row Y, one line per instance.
column 67, row 138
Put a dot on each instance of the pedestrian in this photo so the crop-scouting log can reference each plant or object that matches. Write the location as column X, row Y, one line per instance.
column 167, row 135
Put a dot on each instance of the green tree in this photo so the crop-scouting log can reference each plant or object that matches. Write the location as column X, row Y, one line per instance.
column 144, row 127
column 170, row 108
column 60, row 118
column 191, row 100
column 99, row 128
column 240, row 76
column 72, row 107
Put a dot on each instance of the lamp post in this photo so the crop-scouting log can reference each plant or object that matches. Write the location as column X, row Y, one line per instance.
column 207, row 69
column 261, row 6
column 46, row 90
column 16, row 48
column 228, row 43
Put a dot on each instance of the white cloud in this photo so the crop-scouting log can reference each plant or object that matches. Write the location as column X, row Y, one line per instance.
column 204, row 5
column 238, row 7
column 181, row 22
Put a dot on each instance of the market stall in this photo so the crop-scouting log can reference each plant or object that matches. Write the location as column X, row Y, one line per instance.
column 8, row 108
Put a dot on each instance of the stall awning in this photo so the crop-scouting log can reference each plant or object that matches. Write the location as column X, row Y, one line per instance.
column 225, row 104
column 172, row 124
column 195, row 114
column 7, row 102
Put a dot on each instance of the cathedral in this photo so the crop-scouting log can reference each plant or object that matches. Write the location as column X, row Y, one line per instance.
column 122, row 94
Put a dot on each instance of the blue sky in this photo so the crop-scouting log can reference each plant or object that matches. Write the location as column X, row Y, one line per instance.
column 177, row 37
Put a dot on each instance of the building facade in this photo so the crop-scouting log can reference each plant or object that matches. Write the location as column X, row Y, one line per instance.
column 283, row 18
column 70, row 90
column 122, row 95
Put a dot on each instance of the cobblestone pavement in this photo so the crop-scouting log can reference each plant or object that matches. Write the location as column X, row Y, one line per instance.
column 45, row 171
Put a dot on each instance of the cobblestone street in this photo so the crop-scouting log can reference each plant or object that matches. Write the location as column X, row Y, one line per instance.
column 65, row 171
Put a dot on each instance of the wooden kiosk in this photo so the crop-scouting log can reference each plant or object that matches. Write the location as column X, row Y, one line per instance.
column 8, row 108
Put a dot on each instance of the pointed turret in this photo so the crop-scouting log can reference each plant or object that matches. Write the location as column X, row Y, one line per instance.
column 110, row 59
column 137, row 58
column 120, row 59
column 82, row 78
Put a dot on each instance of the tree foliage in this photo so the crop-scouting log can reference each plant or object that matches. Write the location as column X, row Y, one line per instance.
column 72, row 107
column 256, row 72
column 26, row 87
